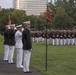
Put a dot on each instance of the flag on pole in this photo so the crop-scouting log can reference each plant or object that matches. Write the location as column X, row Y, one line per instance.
column 9, row 20
column 48, row 16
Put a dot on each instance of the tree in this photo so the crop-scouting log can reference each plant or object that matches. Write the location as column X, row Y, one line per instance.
column 41, row 22
column 17, row 17
column 70, row 9
column 61, row 19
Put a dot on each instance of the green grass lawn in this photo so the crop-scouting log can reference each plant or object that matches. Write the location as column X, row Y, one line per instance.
column 61, row 59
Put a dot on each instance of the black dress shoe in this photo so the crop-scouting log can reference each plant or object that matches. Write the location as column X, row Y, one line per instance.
column 11, row 63
column 28, row 72
column 5, row 60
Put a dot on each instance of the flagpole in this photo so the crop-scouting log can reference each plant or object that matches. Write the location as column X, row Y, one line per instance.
column 46, row 45
column 46, row 48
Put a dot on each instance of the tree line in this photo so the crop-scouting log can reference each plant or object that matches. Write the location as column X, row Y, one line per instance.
column 63, row 16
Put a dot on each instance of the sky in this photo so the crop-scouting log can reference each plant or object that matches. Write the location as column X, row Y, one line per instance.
column 7, row 3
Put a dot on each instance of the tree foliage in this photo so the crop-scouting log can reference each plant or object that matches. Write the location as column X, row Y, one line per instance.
column 61, row 19
column 63, row 16
column 17, row 17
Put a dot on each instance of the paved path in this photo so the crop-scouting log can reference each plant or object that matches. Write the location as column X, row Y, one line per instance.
column 10, row 69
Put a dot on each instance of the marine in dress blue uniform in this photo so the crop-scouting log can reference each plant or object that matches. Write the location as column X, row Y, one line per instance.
column 11, row 43
column 27, row 46
column 6, row 46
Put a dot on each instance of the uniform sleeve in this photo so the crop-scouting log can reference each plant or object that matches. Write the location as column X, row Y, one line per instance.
column 20, row 34
column 23, row 36
column 4, row 35
column 28, row 39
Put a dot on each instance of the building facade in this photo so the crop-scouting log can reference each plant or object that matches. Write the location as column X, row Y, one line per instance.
column 35, row 7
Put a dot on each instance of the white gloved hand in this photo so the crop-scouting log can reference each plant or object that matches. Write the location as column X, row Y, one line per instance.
column 30, row 49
